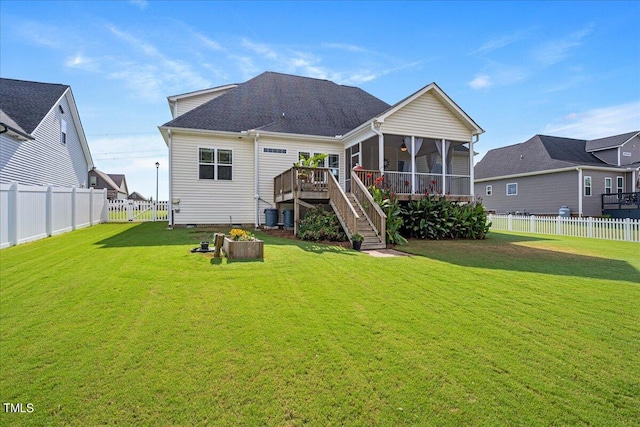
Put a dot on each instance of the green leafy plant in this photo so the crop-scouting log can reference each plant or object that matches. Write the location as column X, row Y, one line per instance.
column 357, row 237
column 319, row 224
column 390, row 205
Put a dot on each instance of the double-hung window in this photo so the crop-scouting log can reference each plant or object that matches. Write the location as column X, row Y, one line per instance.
column 512, row 189
column 216, row 164
column 607, row 185
column 620, row 184
column 489, row 190
column 63, row 131
column 587, row 186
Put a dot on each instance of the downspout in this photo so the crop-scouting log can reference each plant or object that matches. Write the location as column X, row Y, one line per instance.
column 380, row 147
column 170, row 201
column 443, row 160
column 413, row 164
column 579, row 191
column 471, row 165
column 256, row 180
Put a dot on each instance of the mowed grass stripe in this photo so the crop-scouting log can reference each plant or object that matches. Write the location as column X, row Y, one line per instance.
column 122, row 324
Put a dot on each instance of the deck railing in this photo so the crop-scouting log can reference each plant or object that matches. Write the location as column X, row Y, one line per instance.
column 338, row 200
column 621, row 201
column 371, row 208
column 426, row 183
column 301, row 179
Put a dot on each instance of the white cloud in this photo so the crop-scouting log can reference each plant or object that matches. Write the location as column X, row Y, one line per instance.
column 481, row 81
column 555, row 51
column 500, row 42
column 344, row 46
column 142, row 4
column 598, row 122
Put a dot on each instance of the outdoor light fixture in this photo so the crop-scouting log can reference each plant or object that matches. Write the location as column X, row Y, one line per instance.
column 403, row 147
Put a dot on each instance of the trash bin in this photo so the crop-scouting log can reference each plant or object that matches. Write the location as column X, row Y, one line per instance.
column 564, row 212
column 288, row 218
column 271, row 217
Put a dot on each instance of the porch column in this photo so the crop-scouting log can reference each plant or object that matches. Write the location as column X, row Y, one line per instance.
column 471, row 174
column 381, row 153
column 580, row 192
column 413, row 164
column 443, row 160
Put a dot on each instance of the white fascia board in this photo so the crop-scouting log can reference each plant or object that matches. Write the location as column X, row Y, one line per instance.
column 248, row 133
column 358, row 135
column 552, row 171
column 201, row 92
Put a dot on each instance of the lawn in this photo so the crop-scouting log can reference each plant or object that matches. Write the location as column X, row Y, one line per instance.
column 122, row 324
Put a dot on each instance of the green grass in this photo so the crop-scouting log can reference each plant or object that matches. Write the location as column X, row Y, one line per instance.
column 121, row 324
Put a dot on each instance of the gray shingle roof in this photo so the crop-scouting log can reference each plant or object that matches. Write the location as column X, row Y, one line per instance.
column 285, row 103
column 539, row 153
column 610, row 141
column 28, row 102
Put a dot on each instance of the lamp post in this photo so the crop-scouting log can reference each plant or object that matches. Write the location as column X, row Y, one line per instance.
column 157, row 167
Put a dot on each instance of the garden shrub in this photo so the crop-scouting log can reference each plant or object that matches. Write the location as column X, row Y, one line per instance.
column 436, row 217
column 319, row 224
column 392, row 209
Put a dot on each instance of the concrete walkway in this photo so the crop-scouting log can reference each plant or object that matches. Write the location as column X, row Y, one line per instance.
column 385, row 253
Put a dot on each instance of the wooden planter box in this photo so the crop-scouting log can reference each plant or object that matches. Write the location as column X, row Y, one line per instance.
column 243, row 249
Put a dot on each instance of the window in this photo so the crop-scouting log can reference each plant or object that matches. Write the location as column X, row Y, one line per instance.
column 489, row 190
column 512, row 189
column 63, row 131
column 587, row 186
column 93, row 181
column 607, row 185
column 620, row 184
column 215, row 164
column 274, row 150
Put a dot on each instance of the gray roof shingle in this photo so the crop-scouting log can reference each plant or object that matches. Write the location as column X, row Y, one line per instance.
column 610, row 141
column 27, row 103
column 539, row 153
column 285, row 103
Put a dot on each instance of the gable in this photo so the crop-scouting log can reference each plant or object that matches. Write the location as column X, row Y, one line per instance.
column 427, row 116
column 180, row 104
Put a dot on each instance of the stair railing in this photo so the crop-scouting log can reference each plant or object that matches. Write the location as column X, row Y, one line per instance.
column 371, row 208
column 346, row 213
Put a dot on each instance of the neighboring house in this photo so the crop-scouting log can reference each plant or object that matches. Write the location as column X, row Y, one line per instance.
column 41, row 137
column 137, row 196
column 228, row 145
column 543, row 174
column 115, row 184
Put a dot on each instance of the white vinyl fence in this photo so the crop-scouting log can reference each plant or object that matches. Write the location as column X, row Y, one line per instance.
column 138, row 211
column 598, row 228
column 33, row 212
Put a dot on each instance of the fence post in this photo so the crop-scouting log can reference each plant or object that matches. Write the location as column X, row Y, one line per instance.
column 105, row 207
column 590, row 226
column 155, row 210
column 510, row 222
column 91, row 206
column 49, row 211
column 627, row 229
column 532, row 227
column 559, row 225
column 14, row 214
column 74, row 205
column 130, row 211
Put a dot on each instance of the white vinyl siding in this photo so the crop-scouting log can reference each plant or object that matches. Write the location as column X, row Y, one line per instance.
column 45, row 160
column 188, row 103
column 428, row 117
column 206, row 201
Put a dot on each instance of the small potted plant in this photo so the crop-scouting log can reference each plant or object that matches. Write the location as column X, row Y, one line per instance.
column 356, row 241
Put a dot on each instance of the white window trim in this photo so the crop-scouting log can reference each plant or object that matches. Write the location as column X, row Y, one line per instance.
column 488, row 190
column 608, row 187
column 618, row 188
column 63, row 131
column 215, row 164
column 274, row 150
column 585, row 186
column 507, row 189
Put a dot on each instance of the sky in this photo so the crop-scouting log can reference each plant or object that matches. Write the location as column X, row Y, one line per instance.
column 518, row 69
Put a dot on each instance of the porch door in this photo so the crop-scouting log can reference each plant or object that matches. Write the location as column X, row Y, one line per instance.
column 351, row 159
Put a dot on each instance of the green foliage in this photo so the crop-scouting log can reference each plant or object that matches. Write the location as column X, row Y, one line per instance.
column 392, row 208
column 435, row 217
column 312, row 162
column 357, row 237
column 319, row 224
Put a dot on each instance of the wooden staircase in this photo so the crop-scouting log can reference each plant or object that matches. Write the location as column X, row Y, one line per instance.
column 371, row 238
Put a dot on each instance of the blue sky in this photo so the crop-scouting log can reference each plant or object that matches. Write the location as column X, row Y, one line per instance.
column 517, row 68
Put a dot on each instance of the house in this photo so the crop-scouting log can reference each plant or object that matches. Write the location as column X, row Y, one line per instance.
column 138, row 197
column 545, row 173
column 115, row 184
column 42, row 141
column 232, row 148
